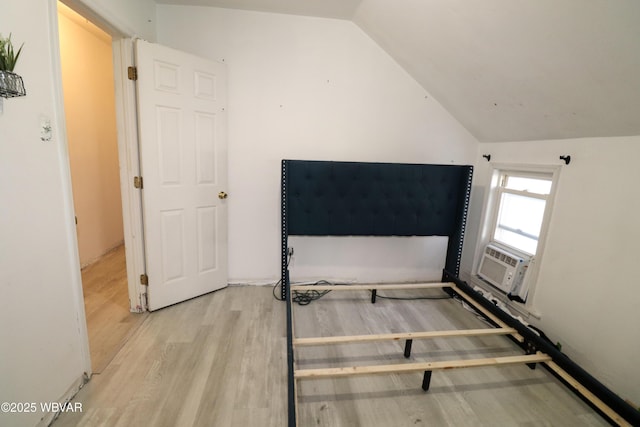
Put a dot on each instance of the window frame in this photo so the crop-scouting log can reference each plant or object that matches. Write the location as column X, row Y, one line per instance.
column 489, row 218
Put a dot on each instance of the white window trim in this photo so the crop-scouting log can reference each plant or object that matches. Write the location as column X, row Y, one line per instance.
column 489, row 219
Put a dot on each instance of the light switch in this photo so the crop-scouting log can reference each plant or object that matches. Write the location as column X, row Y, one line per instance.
column 45, row 130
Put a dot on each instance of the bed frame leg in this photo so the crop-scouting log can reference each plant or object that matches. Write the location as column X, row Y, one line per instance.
column 374, row 292
column 426, row 380
column 531, row 349
column 407, row 348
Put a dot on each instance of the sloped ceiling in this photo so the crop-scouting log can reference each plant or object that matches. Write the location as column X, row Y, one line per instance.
column 508, row 70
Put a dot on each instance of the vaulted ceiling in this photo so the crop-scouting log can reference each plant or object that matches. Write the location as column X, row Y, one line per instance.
column 508, row 70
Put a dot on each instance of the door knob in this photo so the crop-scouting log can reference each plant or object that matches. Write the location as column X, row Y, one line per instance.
column 222, row 195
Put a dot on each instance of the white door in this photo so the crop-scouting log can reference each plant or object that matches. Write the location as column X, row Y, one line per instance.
column 183, row 155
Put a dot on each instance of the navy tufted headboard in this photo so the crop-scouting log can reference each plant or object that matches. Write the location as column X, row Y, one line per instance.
column 321, row 198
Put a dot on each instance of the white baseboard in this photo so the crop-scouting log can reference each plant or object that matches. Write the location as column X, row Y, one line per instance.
column 49, row 418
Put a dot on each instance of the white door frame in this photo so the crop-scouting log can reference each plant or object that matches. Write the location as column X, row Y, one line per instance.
column 129, row 159
column 127, row 136
column 65, row 167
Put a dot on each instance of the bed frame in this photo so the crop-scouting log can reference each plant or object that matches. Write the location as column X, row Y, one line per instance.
column 326, row 198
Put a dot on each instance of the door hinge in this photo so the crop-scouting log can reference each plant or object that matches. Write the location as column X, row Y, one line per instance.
column 144, row 279
column 132, row 73
column 137, row 182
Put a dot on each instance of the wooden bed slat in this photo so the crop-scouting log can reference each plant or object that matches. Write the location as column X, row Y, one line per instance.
column 386, row 286
column 422, row 366
column 400, row 336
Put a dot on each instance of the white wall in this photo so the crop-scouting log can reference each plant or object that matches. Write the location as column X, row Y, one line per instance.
column 43, row 345
column 309, row 88
column 89, row 103
column 587, row 288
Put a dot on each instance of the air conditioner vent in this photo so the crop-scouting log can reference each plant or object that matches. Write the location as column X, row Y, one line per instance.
column 502, row 256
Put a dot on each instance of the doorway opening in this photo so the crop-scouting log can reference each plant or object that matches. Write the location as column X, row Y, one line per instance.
column 89, row 100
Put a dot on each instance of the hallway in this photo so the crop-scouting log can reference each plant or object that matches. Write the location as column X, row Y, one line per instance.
column 106, row 302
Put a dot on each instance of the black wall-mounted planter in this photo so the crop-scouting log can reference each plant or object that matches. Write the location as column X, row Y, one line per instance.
column 11, row 85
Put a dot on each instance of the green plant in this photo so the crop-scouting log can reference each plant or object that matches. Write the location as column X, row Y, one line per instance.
column 8, row 56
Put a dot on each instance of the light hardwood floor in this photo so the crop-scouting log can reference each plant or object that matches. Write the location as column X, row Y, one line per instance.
column 217, row 360
column 106, row 303
column 220, row 360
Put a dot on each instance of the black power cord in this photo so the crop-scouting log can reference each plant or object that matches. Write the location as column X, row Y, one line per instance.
column 307, row 297
column 279, row 282
column 303, row 297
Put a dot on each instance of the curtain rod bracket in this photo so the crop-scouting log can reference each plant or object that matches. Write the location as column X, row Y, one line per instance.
column 567, row 159
column 487, row 156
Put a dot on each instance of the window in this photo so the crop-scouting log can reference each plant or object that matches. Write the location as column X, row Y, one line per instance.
column 522, row 201
column 511, row 245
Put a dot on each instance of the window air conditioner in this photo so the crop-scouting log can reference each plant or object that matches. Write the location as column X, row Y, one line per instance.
column 503, row 269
